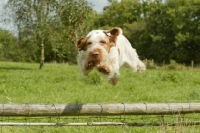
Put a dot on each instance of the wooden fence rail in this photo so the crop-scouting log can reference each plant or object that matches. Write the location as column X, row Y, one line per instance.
column 100, row 124
column 32, row 110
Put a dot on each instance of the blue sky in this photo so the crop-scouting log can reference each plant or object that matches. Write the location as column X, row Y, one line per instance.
column 98, row 4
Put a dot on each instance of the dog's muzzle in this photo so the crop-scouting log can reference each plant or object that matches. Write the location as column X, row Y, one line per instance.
column 95, row 54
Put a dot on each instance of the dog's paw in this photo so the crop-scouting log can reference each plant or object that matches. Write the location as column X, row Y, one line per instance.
column 103, row 69
column 90, row 65
column 113, row 81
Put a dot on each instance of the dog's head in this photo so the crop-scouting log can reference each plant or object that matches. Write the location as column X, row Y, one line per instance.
column 98, row 43
column 106, row 38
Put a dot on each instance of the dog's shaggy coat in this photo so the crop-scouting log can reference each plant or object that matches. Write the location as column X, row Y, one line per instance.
column 107, row 50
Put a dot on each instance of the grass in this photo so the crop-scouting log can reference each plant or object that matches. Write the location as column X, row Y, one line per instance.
column 61, row 84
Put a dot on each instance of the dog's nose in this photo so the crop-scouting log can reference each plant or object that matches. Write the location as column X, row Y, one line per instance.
column 95, row 54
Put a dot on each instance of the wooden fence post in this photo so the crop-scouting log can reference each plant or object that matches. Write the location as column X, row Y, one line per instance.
column 192, row 64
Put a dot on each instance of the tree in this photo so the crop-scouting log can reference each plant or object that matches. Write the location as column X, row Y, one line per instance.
column 72, row 16
column 41, row 21
column 118, row 13
column 7, row 45
column 186, row 30
column 159, row 31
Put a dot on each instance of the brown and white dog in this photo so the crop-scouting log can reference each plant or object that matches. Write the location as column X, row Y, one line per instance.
column 107, row 50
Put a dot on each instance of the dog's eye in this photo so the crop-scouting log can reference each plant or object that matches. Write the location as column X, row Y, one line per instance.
column 89, row 43
column 103, row 42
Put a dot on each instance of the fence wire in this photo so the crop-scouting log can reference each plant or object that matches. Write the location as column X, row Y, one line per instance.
column 189, row 123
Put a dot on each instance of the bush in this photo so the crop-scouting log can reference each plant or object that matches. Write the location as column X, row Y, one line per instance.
column 174, row 66
column 150, row 64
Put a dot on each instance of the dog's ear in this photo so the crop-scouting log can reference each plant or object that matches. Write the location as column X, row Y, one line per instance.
column 81, row 44
column 113, row 33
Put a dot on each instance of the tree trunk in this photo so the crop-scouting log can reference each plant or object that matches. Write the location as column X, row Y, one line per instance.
column 42, row 54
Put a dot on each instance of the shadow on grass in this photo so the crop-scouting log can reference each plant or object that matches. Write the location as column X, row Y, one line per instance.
column 15, row 68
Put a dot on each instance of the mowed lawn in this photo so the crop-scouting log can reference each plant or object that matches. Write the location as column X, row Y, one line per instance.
column 61, row 84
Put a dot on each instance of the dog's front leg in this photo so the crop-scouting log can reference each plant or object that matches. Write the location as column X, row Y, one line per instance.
column 110, row 66
column 84, row 65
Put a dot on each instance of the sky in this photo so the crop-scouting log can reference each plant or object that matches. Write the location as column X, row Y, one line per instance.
column 98, row 4
column 2, row 15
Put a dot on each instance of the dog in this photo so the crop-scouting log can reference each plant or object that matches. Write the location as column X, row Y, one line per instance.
column 107, row 50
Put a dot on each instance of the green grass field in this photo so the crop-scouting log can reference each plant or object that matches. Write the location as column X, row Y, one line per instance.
column 61, row 84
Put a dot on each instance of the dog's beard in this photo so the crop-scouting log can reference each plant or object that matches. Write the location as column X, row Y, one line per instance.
column 95, row 61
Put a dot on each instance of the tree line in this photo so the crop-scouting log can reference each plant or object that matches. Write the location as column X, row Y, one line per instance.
column 47, row 30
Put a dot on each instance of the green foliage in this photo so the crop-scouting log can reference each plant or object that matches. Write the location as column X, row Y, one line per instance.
column 7, row 45
column 54, row 24
column 150, row 64
column 118, row 13
column 72, row 14
column 174, row 66
column 158, row 30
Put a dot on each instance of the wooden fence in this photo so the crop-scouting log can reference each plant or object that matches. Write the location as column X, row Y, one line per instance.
column 117, row 109
column 98, row 109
